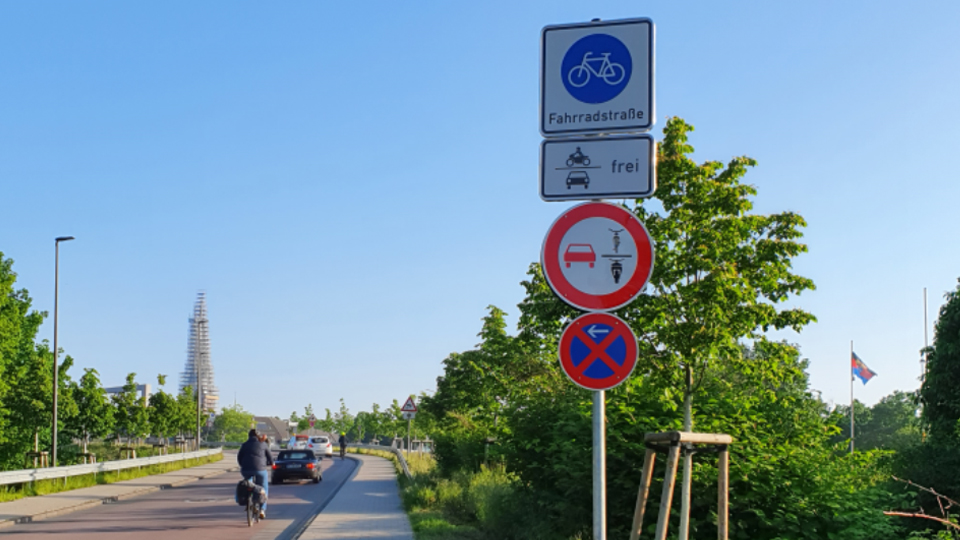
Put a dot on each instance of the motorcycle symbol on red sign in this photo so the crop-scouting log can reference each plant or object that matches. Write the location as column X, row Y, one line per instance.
column 616, row 248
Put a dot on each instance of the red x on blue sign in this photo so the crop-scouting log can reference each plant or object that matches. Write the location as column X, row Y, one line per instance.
column 598, row 351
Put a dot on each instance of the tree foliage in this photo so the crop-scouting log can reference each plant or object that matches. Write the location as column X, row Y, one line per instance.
column 721, row 279
column 939, row 395
column 232, row 424
column 95, row 416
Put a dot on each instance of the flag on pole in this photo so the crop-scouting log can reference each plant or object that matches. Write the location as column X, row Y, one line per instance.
column 860, row 369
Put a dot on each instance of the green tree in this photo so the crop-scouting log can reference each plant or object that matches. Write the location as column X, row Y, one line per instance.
column 476, row 387
column 29, row 403
column 342, row 419
column 232, row 424
column 938, row 394
column 326, row 423
column 130, row 411
column 721, row 277
column 18, row 330
column 163, row 411
column 892, row 424
column 303, row 422
column 94, row 414
column 931, row 464
column 186, row 419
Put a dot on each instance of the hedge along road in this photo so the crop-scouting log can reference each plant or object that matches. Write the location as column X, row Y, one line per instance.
column 201, row 510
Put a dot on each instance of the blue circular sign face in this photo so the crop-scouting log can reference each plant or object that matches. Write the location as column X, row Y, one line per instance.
column 596, row 68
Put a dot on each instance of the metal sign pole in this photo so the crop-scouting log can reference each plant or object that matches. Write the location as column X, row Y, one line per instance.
column 599, row 467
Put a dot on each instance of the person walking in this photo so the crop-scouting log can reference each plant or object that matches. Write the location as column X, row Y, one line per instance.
column 255, row 460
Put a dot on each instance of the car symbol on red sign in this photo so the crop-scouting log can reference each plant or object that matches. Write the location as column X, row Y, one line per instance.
column 598, row 351
column 615, row 245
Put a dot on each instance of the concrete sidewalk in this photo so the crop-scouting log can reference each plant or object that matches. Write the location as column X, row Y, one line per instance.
column 46, row 506
column 367, row 506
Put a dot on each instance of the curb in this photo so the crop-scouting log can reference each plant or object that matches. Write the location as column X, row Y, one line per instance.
column 309, row 521
column 108, row 500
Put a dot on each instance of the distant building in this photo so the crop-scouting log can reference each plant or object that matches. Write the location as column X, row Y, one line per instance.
column 274, row 428
column 142, row 389
column 198, row 357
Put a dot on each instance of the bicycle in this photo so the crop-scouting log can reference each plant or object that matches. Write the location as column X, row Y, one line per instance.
column 253, row 507
column 612, row 73
column 343, row 452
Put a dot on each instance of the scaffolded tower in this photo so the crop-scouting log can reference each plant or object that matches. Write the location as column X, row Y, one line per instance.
column 198, row 358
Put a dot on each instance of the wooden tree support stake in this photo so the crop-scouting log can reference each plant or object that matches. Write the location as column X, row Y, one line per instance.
column 673, row 443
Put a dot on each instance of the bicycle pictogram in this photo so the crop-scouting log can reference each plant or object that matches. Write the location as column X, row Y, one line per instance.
column 596, row 68
column 611, row 72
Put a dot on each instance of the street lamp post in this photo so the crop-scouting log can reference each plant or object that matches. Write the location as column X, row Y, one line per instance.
column 56, row 371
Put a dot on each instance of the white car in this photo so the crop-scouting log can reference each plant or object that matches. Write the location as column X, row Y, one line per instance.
column 298, row 442
column 321, row 446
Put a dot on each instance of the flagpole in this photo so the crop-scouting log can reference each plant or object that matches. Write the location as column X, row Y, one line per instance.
column 851, row 397
column 923, row 374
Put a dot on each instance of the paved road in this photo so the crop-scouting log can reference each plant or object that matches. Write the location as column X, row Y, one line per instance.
column 201, row 510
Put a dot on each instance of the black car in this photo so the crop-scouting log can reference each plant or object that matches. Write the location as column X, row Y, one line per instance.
column 299, row 464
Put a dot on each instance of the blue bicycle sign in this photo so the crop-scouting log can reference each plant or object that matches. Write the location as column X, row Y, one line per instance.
column 611, row 73
column 596, row 68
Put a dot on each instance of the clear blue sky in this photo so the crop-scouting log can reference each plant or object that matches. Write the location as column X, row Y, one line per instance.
column 353, row 183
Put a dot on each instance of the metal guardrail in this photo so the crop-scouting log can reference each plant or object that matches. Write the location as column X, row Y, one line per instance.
column 48, row 473
column 392, row 450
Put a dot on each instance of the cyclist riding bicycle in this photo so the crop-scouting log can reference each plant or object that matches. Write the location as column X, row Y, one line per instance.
column 343, row 444
column 255, row 460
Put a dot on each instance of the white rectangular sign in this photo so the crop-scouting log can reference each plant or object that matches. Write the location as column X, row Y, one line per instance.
column 588, row 168
column 597, row 77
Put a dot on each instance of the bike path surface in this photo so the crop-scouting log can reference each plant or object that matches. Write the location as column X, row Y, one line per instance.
column 201, row 510
column 367, row 506
column 47, row 506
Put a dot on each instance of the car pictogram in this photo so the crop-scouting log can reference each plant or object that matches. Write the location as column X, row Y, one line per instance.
column 579, row 253
column 578, row 178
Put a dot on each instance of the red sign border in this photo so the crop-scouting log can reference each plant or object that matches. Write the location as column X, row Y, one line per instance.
column 570, row 294
column 566, row 339
column 412, row 404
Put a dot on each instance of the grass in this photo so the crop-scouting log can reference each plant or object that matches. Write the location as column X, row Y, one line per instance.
column 45, row 487
column 427, row 517
column 433, row 525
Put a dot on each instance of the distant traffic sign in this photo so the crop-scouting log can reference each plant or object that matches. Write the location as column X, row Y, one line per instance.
column 597, row 256
column 597, row 77
column 588, row 168
column 409, row 406
column 313, row 420
column 598, row 351
column 407, row 415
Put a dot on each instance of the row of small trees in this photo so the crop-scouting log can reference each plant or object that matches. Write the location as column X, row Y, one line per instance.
column 125, row 414
column 85, row 410
column 377, row 423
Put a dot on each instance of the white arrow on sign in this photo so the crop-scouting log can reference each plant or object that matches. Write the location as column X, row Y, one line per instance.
column 594, row 330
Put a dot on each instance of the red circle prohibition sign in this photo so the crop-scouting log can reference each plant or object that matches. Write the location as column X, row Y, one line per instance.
column 551, row 254
column 598, row 351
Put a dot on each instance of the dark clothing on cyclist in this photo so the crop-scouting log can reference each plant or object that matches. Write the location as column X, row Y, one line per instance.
column 254, row 456
column 254, row 459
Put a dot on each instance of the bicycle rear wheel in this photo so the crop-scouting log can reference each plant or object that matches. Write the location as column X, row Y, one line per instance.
column 250, row 511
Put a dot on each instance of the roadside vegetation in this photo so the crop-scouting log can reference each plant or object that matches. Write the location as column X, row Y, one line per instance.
column 512, row 435
column 86, row 414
